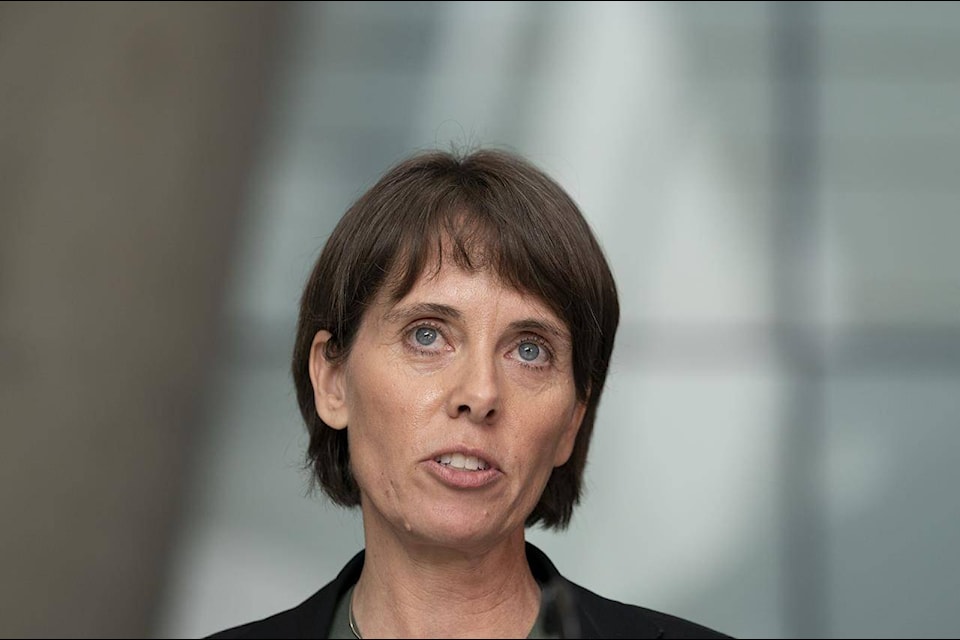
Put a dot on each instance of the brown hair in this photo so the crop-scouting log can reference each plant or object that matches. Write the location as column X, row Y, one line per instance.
column 486, row 209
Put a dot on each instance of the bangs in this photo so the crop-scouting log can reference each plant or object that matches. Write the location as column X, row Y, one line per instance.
column 474, row 238
column 472, row 241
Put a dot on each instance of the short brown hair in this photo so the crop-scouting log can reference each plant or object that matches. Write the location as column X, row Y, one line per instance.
column 486, row 209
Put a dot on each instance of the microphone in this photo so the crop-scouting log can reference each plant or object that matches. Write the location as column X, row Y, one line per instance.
column 559, row 611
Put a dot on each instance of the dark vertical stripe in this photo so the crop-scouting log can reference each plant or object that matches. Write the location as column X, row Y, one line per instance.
column 795, row 263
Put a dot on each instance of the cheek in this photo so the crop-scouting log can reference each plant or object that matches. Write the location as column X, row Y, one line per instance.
column 567, row 428
column 389, row 412
column 544, row 435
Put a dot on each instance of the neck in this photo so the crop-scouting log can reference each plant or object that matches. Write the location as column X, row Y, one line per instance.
column 409, row 589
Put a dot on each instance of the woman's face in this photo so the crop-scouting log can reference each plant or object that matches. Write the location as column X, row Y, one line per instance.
column 459, row 401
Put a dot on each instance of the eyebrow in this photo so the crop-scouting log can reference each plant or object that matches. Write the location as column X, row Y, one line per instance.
column 538, row 326
column 405, row 314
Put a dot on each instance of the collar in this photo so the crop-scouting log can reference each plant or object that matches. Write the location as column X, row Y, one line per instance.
column 595, row 616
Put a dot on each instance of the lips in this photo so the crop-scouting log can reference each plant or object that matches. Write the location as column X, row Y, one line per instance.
column 462, row 469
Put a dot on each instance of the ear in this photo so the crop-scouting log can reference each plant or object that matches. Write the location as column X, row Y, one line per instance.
column 569, row 436
column 328, row 384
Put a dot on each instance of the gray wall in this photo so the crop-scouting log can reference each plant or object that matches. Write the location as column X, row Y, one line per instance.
column 126, row 138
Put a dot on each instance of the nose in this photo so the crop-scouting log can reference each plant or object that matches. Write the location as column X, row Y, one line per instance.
column 475, row 394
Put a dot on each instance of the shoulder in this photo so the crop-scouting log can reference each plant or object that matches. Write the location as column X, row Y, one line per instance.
column 602, row 617
column 280, row 625
column 309, row 619
column 577, row 611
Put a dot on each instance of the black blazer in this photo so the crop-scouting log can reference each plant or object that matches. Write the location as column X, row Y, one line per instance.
column 570, row 605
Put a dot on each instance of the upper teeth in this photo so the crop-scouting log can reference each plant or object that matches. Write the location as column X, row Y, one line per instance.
column 460, row 461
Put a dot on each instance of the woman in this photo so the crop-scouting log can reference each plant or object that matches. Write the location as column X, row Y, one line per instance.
column 452, row 347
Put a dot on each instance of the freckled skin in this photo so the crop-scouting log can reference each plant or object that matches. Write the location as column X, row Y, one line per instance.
column 469, row 387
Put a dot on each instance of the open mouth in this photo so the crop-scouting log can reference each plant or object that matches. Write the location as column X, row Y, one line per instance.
column 460, row 461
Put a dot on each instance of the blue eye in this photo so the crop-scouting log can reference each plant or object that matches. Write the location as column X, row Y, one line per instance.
column 528, row 351
column 425, row 336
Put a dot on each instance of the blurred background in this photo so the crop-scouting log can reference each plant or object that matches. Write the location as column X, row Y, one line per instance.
column 775, row 185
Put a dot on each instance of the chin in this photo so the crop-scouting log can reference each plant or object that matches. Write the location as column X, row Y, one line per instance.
column 460, row 530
